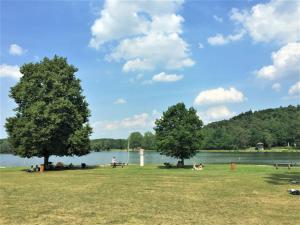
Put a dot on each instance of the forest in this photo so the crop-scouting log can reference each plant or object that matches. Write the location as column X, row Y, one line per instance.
column 272, row 127
column 277, row 127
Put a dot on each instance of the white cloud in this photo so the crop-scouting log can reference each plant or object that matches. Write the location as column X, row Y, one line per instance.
column 286, row 62
column 295, row 89
column 276, row 21
column 120, row 101
column 120, row 19
column 218, row 19
column 218, row 96
column 163, row 77
column 10, row 71
column 219, row 39
column 200, row 45
column 276, row 87
column 146, row 31
column 136, row 121
column 155, row 50
column 122, row 128
column 216, row 113
column 15, row 49
column 137, row 64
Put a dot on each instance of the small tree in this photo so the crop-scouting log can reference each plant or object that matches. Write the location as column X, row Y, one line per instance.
column 178, row 132
column 135, row 140
column 52, row 115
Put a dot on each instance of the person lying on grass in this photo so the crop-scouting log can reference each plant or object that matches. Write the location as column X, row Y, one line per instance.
column 198, row 167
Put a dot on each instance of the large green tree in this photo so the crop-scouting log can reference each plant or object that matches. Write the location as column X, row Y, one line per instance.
column 135, row 140
column 149, row 141
column 52, row 114
column 178, row 132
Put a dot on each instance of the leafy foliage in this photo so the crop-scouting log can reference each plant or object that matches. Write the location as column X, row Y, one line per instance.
column 273, row 127
column 52, row 114
column 149, row 142
column 108, row 144
column 5, row 146
column 135, row 140
column 178, row 132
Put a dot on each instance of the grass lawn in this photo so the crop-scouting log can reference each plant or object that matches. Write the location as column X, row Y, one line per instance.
column 150, row 195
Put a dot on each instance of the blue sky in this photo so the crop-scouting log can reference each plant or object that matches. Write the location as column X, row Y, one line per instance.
column 136, row 58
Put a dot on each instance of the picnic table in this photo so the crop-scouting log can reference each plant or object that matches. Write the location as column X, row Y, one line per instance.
column 288, row 165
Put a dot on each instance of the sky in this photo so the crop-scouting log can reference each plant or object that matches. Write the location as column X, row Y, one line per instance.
column 137, row 58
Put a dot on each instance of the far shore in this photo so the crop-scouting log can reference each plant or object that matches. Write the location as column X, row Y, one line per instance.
column 218, row 150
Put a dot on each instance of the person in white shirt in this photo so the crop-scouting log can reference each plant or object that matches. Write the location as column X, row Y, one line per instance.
column 114, row 162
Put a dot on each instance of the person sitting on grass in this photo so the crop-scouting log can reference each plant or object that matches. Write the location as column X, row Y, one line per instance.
column 37, row 168
column 30, row 170
column 198, row 167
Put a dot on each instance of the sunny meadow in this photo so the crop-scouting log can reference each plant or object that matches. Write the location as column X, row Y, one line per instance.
column 150, row 112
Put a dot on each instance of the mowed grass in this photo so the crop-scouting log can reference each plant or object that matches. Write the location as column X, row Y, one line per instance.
column 150, row 195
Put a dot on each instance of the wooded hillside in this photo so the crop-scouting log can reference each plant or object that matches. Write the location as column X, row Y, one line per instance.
column 273, row 127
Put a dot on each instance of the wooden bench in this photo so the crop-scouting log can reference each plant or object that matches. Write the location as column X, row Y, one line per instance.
column 288, row 165
column 118, row 164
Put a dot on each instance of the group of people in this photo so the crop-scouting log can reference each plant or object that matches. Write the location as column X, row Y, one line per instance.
column 35, row 168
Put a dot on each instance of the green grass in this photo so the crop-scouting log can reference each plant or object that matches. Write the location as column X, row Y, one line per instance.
column 150, row 195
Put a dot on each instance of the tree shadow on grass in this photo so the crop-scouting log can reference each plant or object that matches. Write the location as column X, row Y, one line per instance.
column 283, row 178
column 64, row 169
column 175, row 167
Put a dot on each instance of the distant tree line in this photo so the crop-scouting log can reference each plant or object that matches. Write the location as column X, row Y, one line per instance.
column 272, row 127
column 136, row 140
column 106, row 144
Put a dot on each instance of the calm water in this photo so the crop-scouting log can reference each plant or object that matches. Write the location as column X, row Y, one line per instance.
column 98, row 158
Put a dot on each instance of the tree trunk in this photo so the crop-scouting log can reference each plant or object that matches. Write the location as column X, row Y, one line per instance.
column 46, row 161
column 182, row 160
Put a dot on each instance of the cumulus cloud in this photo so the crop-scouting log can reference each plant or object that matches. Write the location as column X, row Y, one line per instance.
column 15, row 49
column 286, row 62
column 219, row 39
column 146, row 33
column 120, row 101
column 137, row 64
column 163, row 77
column 122, row 128
column 10, row 71
column 216, row 113
column 153, row 50
column 276, row 87
column 219, row 96
column 136, row 121
column 295, row 89
column 276, row 21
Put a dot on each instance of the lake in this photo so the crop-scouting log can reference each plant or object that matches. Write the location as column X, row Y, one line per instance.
column 152, row 157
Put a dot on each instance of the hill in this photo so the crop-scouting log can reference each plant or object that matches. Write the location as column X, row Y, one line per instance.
column 273, row 127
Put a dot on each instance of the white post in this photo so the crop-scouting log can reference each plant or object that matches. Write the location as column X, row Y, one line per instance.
column 141, row 157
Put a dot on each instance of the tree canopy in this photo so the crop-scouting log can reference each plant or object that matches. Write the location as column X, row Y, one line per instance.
column 135, row 140
column 52, row 114
column 149, row 141
column 178, row 132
